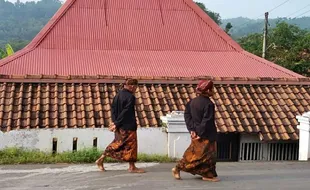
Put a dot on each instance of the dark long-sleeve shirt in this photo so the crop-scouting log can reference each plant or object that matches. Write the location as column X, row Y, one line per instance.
column 201, row 119
column 123, row 111
column 188, row 118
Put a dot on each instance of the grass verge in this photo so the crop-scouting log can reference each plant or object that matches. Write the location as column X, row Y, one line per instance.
column 23, row 156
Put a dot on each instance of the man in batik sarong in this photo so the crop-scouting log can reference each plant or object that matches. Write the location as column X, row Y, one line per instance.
column 124, row 147
column 200, row 156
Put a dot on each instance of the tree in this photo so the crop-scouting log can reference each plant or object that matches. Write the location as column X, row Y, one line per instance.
column 228, row 27
column 252, row 43
column 245, row 26
column 215, row 16
column 2, row 53
column 18, row 44
column 288, row 46
column 22, row 21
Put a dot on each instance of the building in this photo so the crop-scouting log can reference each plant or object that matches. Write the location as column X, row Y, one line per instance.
column 67, row 76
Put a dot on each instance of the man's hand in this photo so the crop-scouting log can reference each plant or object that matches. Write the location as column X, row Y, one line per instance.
column 194, row 135
column 112, row 127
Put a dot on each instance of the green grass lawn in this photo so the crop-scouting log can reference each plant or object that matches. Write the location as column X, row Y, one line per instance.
column 22, row 156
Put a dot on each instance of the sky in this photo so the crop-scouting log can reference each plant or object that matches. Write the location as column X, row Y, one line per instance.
column 255, row 8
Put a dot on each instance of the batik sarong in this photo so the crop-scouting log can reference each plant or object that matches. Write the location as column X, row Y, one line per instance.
column 124, row 147
column 199, row 159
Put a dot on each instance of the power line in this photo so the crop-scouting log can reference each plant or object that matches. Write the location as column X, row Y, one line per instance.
column 278, row 6
column 302, row 14
column 268, row 11
column 298, row 10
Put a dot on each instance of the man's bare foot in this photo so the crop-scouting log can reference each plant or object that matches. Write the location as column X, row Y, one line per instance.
column 213, row 179
column 136, row 170
column 99, row 163
column 176, row 173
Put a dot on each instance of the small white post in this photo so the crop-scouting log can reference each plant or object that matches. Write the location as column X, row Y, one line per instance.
column 174, row 147
column 304, row 136
column 178, row 136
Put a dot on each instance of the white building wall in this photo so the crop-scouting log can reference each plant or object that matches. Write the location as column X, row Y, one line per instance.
column 177, row 144
column 304, row 136
column 150, row 140
column 178, row 136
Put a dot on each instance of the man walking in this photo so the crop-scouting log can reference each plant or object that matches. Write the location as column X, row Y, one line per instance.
column 124, row 146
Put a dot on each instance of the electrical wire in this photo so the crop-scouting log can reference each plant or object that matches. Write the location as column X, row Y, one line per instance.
column 298, row 11
column 264, row 13
column 278, row 6
column 302, row 14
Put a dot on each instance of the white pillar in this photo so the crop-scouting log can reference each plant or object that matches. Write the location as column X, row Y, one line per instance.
column 304, row 136
column 178, row 135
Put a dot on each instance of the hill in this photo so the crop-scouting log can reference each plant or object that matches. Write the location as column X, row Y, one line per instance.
column 244, row 26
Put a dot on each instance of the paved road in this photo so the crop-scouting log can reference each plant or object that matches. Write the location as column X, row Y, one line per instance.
column 250, row 176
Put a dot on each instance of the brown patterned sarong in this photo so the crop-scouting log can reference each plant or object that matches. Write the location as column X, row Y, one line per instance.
column 199, row 159
column 124, row 147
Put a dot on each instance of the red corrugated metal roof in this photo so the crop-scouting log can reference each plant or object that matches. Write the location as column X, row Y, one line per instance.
column 136, row 37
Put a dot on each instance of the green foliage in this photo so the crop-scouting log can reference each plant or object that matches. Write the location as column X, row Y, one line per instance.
column 20, row 22
column 2, row 53
column 228, row 27
column 23, row 156
column 252, row 43
column 7, row 51
column 18, row 44
column 288, row 46
column 245, row 26
column 215, row 16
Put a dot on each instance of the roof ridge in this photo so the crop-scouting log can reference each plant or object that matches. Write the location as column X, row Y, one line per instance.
column 207, row 20
column 51, row 23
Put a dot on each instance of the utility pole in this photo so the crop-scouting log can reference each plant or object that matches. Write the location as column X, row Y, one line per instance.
column 265, row 35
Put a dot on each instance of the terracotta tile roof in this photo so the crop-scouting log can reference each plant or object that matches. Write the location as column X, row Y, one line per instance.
column 172, row 38
column 267, row 107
